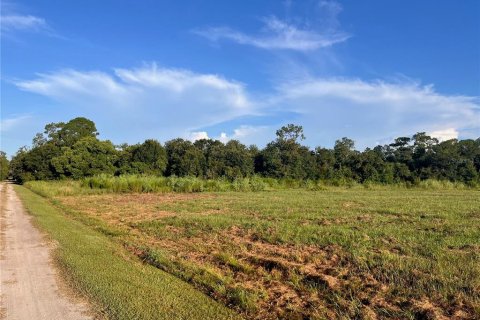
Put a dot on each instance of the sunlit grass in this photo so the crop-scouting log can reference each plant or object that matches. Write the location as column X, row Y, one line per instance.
column 408, row 247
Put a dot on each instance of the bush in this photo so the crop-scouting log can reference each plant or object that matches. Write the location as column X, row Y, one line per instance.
column 241, row 184
column 439, row 184
column 257, row 184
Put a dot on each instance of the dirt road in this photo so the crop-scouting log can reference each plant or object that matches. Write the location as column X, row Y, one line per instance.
column 29, row 287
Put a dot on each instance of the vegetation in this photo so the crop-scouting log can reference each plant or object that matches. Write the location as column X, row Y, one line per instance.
column 72, row 150
column 122, row 286
column 389, row 232
column 153, row 184
column 4, row 166
column 381, row 252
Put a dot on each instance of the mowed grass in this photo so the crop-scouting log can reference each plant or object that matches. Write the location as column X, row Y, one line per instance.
column 120, row 286
column 295, row 254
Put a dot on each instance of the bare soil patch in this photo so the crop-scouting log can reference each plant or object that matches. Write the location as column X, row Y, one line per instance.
column 127, row 208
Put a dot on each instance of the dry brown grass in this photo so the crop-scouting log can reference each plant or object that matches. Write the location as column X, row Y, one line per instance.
column 127, row 208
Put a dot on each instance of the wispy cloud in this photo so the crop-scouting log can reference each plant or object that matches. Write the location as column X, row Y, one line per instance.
column 164, row 103
column 12, row 123
column 16, row 130
column 70, row 85
column 23, row 23
column 277, row 34
column 13, row 21
column 371, row 111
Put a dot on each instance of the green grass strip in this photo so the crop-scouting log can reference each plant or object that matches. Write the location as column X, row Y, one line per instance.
column 103, row 271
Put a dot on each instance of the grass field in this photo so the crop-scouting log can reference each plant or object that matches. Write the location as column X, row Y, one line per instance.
column 336, row 253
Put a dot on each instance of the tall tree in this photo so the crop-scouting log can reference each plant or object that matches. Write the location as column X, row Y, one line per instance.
column 402, row 150
column 422, row 156
column 67, row 134
column 345, row 156
column 286, row 157
column 290, row 133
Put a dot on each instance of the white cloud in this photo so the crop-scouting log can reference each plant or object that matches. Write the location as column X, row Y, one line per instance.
column 373, row 111
column 79, row 87
column 153, row 102
column 278, row 34
column 223, row 137
column 245, row 131
column 182, row 82
column 197, row 135
column 157, row 101
column 246, row 134
column 445, row 134
column 15, row 22
column 22, row 22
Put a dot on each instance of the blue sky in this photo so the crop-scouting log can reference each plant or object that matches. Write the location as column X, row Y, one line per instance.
column 371, row 70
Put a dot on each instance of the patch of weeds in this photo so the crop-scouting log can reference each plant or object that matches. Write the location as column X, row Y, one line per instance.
column 234, row 263
column 245, row 299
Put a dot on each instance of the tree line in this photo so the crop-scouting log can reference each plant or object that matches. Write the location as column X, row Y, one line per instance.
column 73, row 150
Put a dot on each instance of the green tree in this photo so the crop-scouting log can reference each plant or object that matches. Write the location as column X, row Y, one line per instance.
column 4, row 166
column 184, row 159
column 123, row 164
column 467, row 172
column 343, row 150
column 87, row 157
column 345, row 158
column 231, row 160
column 290, row 133
column 35, row 164
column 445, row 159
column 401, row 172
column 286, row 158
column 72, row 150
column 402, row 150
column 19, row 171
column 325, row 163
column 211, row 165
column 67, row 134
column 371, row 166
column 149, row 157
column 422, row 156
